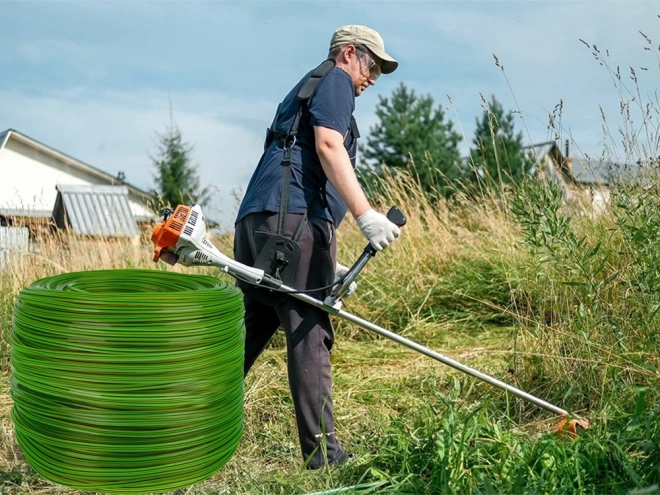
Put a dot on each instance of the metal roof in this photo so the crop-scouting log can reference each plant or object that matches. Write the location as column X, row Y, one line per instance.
column 591, row 171
column 95, row 210
column 25, row 212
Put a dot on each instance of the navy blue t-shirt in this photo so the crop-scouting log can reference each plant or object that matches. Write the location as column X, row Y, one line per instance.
column 331, row 106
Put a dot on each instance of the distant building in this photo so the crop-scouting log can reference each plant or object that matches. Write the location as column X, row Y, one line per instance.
column 35, row 175
column 42, row 189
column 583, row 181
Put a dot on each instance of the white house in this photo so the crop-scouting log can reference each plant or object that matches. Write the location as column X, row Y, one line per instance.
column 32, row 175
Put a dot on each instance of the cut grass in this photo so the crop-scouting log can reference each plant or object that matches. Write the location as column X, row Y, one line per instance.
column 376, row 382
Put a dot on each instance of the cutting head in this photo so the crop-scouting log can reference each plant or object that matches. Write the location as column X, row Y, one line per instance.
column 569, row 428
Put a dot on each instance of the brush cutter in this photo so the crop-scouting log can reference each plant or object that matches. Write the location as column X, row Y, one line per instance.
column 181, row 238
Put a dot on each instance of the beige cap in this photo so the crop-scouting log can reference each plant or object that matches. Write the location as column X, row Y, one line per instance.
column 362, row 35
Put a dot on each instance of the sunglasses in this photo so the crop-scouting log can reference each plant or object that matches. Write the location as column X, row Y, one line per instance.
column 374, row 68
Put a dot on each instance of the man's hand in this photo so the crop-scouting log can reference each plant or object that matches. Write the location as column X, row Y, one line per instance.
column 340, row 271
column 377, row 229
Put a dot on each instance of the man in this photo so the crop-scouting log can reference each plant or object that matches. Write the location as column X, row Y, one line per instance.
column 321, row 187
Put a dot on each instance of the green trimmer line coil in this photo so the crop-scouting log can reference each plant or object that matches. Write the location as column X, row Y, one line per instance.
column 128, row 381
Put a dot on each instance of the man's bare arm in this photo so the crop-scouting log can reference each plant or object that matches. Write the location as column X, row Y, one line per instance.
column 338, row 168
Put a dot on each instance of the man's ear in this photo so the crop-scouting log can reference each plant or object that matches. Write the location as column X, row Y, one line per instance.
column 349, row 51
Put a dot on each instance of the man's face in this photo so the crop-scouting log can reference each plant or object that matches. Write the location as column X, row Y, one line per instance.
column 364, row 68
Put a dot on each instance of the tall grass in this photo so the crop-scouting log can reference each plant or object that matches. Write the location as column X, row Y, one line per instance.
column 575, row 299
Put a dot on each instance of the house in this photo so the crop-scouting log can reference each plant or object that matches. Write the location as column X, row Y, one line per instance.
column 42, row 189
column 584, row 181
column 35, row 175
column 591, row 178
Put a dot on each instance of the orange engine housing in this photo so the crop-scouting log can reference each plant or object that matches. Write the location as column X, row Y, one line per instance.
column 166, row 234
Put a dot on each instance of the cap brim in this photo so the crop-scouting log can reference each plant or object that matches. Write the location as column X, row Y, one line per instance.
column 388, row 64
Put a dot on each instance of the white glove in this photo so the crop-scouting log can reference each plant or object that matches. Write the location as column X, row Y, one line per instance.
column 340, row 271
column 377, row 229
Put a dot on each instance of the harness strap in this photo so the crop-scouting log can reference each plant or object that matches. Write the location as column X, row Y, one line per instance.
column 284, row 198
column 305, row 93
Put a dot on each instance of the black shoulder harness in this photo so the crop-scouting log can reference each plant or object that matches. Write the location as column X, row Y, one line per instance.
column 280, row 255
column 305, row 94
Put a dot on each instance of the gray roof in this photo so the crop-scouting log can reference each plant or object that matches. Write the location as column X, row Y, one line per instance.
column 95, row 210
column 593, row 171
column 540, row 150
column 3, row 137
column 25, row 212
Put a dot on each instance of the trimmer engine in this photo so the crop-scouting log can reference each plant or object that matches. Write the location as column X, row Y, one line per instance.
column 181, row 238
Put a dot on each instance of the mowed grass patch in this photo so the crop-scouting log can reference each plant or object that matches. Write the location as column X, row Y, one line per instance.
column 376, row 382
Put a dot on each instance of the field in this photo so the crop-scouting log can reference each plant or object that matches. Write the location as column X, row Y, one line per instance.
column 515, row 284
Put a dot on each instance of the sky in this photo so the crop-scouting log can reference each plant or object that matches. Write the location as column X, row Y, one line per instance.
column 99, row 80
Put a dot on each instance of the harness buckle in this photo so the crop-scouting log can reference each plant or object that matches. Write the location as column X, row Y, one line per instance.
column 289, row 142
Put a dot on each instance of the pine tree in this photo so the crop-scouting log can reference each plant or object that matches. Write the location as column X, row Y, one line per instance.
column 497, row 156
column 177, row 179
column 412, row 134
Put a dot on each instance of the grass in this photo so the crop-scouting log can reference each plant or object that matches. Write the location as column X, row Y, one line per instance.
column 375, row 381
column 468, row 280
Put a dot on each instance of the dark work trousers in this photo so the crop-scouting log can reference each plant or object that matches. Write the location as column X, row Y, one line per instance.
column 309, row 333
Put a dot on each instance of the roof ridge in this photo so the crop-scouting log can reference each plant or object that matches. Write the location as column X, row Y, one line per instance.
column 75, row 161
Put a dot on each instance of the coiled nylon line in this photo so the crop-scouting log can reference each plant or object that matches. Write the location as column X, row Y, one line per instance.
column 128, row 381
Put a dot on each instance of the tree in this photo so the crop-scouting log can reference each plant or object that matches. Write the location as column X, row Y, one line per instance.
column 177, row 179
column 498, row 156
column 414, row 135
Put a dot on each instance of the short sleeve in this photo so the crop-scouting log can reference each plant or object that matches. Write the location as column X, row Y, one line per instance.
column 334, row 101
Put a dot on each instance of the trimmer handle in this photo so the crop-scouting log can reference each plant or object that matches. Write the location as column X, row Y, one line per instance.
column 398, row 218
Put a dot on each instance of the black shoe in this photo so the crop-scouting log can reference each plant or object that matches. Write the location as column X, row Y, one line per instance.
column 341, row 458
